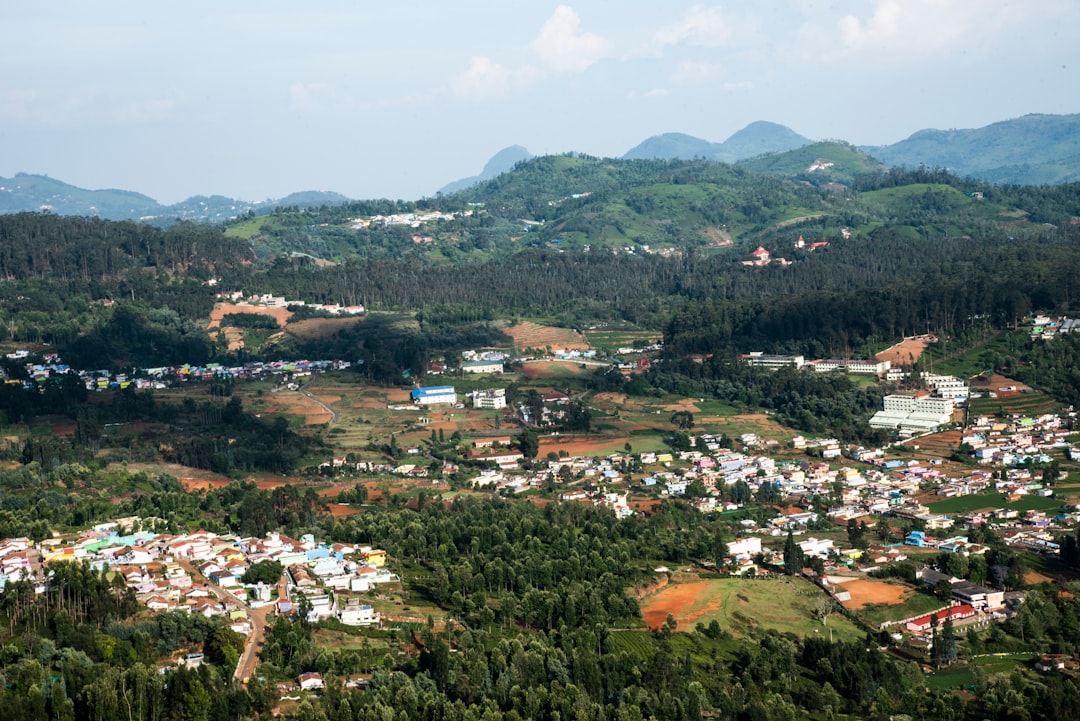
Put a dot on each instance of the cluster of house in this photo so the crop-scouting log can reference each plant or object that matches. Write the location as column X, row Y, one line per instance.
column 411, row 220
column 1046, row 328
column 1019, row 440
column 52, row 368
column 268, row 300
column 201, row 572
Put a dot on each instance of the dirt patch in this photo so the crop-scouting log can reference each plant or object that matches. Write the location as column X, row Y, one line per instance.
column 681, row 601
column 906, row 351
column 294, row 403
column 527, row 334
column 1034, row 577
column 281, row 315
column 865, row 592
column 337, row 510
column 203, row 484
column 551, row 369
column 583, row 445
column 684, row 405
column 995, row 382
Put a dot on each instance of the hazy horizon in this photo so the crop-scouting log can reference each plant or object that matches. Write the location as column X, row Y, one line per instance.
column 397, row 101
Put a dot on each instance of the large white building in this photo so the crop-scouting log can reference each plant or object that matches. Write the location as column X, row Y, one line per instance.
column 912, row 414
column 433, row 394
column 758, row 358
column 493, row 398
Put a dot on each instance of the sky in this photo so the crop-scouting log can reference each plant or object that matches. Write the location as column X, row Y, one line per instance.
column 378, row 99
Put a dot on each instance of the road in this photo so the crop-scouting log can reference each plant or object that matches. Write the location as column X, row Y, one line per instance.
column 250, row 656
column 306, row 394
column 249, row 659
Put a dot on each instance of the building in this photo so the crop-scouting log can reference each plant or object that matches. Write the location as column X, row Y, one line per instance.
column 433, row 394
column 925, row 623
column 744, row 546
column 491, row 398
column 309, row 681
column 849, row 365
column 912, row 414
column 758, row 358
column 482, row 366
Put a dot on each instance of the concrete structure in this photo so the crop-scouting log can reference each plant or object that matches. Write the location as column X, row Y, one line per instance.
column 482, row 366
column 433, row 394
column 491, row 398
column 758, row 358
column 911, row 414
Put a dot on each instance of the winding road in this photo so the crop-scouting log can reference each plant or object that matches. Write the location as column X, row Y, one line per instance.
column 304, row 391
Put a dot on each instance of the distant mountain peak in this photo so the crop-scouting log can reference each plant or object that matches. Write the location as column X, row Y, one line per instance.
column 758, row 138
column 502, row 162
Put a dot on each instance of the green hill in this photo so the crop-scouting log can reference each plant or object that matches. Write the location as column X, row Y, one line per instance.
column 1031, row 150
column 818, row 163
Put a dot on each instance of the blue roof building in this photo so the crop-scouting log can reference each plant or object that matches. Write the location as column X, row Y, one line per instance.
column 434, row 394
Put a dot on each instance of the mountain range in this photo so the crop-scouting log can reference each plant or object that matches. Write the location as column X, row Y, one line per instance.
column 1031, row 150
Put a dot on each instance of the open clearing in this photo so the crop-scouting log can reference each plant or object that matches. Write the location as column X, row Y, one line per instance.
column 281, row 315
column 741, row 605
column 318, row 328
column 551, row 369
column 294, row 403
column 906, row 351
column 527, row 334
column 865, row 592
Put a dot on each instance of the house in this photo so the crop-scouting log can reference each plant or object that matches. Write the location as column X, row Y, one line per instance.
column 311, row 680
column 744, row 546
column 925, row 623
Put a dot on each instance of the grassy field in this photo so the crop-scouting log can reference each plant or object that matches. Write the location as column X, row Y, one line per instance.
column 1026, row 404
column 743, row 607
column 964, row 676
column 966, row 504
column 915, row 605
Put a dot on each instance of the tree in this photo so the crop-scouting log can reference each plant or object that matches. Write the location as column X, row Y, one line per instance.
column 793, row 556
column 683, row 419
column 528, row 443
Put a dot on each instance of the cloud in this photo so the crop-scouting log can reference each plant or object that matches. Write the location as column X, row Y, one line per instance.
column 484, row 80
column 563, row 46
column 897, row 32
column 701, row 26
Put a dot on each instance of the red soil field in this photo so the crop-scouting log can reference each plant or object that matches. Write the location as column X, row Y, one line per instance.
column 678, row 599
column 906, row 351
column 864, row 592
column 281, row 315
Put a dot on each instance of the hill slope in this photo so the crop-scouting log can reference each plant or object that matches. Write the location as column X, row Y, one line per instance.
column 1031, row 150
column 757, row 138
column 34, row 193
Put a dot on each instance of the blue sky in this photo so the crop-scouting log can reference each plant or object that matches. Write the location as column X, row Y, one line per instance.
column 257, row 100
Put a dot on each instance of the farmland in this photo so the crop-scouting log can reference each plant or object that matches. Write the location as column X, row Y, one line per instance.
column 527, row 334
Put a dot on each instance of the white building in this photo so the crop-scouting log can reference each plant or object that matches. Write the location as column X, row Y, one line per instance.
column 759, row 358
column 433, row 394
column 492, row 398
column 748, row 546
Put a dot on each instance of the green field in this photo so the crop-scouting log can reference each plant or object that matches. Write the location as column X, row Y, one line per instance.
column 743, row 607
column 1025, row 404
column 966, row 504
column 915, row 605
column 964, row 676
